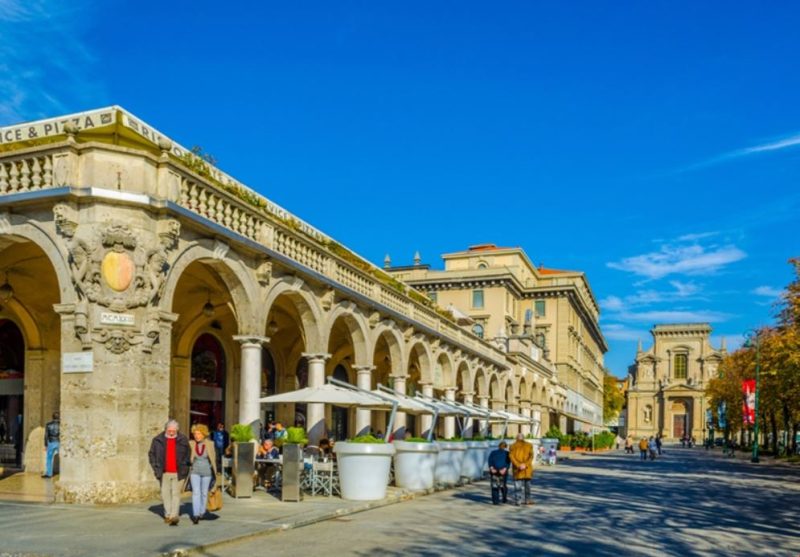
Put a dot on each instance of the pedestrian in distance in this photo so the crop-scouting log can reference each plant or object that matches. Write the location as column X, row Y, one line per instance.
column 521, row 453
column 643, row 448
column 221, row 441
column 52, row 435
column 499, row 464
column 203, row 472
column 628, row 445
column 170, row 461
column 653, row 448
column 658, row 444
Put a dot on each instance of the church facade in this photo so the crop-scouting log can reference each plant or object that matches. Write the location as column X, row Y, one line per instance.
column 666, row 393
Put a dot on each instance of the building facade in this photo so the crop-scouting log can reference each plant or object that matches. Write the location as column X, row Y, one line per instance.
column 545, row 320
column 666, row 384
column 141, row 283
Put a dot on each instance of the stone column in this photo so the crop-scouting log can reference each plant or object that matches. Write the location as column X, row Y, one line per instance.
column 250, row 380
column 315, row 413
column 525, row 410
column 398, row 384
column 468, row 421
column 450, row 421
column 363, row 381
column 483, row 402
column 426, row 420
column 181, row 390
column 497, row 429
column 513, row 429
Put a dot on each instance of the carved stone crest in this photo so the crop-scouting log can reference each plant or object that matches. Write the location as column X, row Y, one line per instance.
column 114, row 270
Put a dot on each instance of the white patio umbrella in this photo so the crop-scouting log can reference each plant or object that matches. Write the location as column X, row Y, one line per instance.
column 329, row 394
column 410, row 405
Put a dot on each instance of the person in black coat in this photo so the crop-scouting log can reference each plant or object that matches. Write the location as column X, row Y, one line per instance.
column 170, row 460
column 499, row 464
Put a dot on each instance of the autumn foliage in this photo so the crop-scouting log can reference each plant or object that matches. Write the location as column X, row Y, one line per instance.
column 779, row 382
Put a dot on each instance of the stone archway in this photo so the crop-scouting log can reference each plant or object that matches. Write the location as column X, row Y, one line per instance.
column 31, row 341
column 387, row 361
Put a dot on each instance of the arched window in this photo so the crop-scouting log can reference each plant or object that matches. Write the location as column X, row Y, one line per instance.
column 478, row 330
column 681, row 366
column 483, row 265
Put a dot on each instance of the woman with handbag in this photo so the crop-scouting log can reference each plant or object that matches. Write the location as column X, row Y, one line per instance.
column 203, row 473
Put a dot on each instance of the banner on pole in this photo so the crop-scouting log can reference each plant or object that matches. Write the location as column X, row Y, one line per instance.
column 749, row 401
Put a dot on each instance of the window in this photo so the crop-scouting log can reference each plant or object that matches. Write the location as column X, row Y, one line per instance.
column 681, row 365
column 478, row 330
column 538, row 308
column 482, row 265
column 433, row 296
column 477, row 298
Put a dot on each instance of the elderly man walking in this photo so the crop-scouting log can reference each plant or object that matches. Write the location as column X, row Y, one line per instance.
column 169, row 459
column 521, row 453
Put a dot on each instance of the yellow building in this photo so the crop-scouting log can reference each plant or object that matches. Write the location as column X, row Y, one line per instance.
column 666, row 394
column 550, row 316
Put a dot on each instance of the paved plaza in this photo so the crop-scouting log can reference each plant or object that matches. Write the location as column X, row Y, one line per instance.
column 689, row 502
column 686, row 503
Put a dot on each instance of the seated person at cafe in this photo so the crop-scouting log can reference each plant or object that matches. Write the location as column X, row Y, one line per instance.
column 325, row 447
column 265, row 470
column 267, row 449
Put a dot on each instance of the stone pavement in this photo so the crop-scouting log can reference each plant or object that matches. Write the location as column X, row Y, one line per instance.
column 134, row 530
column 687, row 503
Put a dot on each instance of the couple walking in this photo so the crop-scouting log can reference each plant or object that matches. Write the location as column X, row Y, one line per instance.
column 174, row 458
column 519, row 458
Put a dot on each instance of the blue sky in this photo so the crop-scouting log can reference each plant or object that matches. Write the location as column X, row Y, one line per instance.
column 655, row 146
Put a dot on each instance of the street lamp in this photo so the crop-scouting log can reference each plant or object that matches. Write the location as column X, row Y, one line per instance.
column 748, row 343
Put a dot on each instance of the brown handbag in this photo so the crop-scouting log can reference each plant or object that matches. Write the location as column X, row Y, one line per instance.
column 214, row 500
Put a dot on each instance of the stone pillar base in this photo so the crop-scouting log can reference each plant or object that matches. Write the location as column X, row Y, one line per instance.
column 108, row 492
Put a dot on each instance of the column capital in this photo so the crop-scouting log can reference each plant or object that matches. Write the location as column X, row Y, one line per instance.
column 363, row 368
column 251, row 339
column 316, row 357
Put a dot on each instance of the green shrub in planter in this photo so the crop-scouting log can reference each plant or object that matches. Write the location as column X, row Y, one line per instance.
column 456, row 439
column 416, row 440
column 242, row 433
column 295, row 436
column 478, row 438
column 369, row 438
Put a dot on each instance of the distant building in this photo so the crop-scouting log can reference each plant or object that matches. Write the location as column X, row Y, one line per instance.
column 666, row 393
column 545, row 319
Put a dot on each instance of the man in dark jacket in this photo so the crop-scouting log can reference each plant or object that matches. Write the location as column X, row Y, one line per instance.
column 499, row 463
column 52, row 435
column 169, row 459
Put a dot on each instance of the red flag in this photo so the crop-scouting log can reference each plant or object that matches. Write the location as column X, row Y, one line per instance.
column 749, row 401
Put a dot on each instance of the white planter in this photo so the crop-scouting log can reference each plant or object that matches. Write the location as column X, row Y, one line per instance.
column 472, row 467
column 449, row 461
column 414, row 465
column 363, row 469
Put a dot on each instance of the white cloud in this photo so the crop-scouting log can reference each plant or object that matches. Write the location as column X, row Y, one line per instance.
column 45, row 67
column 695, row 237
column 612, row 303
column 768, row 292
column 777, row 144
column 673, row 316
column 689, row 259
column 616, row 331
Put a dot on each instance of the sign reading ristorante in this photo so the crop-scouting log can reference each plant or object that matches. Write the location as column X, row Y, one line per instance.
column 55, row 126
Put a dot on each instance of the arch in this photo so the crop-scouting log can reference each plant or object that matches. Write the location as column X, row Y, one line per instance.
column 525, row 389
column 58, row 260
column 233, row 273
column 389, row 333
column 356, row 327
column 306, row 305
column 495, row 388
column 25, row 321
column 481, row 382
column 464, row 379
column 444, row 361
column 419, row 353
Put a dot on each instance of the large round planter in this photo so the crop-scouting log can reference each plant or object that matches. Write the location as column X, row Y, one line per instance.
column 449, row 461
column 414, row 465
column 474, row 459
column 363, row 469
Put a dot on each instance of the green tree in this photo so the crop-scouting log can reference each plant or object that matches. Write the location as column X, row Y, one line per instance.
column 613, row 399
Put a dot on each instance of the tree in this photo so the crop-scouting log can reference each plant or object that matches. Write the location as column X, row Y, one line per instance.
column 613, row 399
